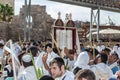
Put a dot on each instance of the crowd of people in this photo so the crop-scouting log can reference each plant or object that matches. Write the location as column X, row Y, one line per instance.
column 98, row 63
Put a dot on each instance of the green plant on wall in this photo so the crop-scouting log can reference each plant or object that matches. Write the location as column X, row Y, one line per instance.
column 6, row 13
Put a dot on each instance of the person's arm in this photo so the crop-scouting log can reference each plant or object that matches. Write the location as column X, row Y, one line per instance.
column 44, row 59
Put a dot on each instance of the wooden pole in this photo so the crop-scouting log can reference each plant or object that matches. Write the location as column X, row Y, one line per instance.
column 56, row 45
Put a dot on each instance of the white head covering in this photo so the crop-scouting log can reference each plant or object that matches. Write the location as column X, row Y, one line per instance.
column 83, row 60
column 117, row 50
column 26, row 58
column 101, row 70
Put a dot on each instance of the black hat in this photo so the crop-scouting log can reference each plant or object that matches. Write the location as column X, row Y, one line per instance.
column 1, row 45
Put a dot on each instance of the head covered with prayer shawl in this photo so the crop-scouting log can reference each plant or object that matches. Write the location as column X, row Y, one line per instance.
column 83, row 60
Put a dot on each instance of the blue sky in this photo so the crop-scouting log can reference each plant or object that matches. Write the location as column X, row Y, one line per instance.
column 78, row 12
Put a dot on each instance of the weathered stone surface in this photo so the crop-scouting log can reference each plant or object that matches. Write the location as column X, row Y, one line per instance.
column 40, row 27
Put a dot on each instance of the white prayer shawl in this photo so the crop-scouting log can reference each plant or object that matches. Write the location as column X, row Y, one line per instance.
column 83, row 60
column 115, row 48
column 51, row 56
column 69, row 64
column 67, row 76
column 35, row 58
column 113, row 65
column 101, row 70
column 39, row 64
column 100, row 48
column 38, row 61
column 28, row 74
column 21, row 69
column 17, row 48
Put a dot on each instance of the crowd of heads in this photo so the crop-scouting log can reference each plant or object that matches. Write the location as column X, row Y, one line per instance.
column 85, row 65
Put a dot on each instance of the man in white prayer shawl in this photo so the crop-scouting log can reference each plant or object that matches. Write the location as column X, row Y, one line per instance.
column 101, row 70
column 45, row 57
column 112, row 62
column 58, row 72
column 29, row 71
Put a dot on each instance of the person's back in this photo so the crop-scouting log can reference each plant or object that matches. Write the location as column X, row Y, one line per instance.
column 29, row 71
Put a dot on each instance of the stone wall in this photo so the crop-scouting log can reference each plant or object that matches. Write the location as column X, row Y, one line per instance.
column 41, row 25
column 5, row 30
